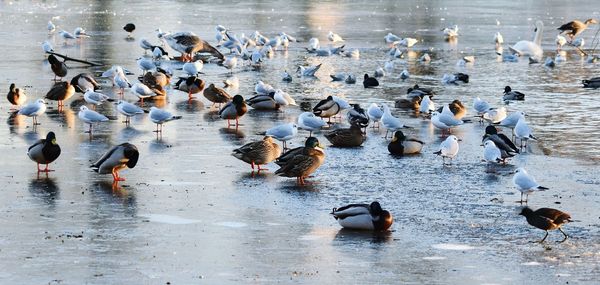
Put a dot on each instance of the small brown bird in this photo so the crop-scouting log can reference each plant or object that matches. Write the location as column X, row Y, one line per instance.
column 58, row 67
column 157, row 81
column 61, row 91
column 258, row 153
column 350, row 137
column 234, row 110
column 16, row 96
column 216, row 95
column 576, row 27
column 458, row 109
column 546, row 219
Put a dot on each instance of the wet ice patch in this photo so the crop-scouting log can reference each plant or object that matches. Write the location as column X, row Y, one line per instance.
column 452, row 246
column 167, row 219
column 434, row 258
column 531, row 263
column 232, row 224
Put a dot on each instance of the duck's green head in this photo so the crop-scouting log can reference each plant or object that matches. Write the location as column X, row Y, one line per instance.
column 51, row 137
column 398, row 136
column 238, row 99
column 313, row 142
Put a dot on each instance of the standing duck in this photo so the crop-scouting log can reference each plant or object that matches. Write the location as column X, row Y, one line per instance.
column 157, row 81
column 303, row 164
column 370, row 82
column 61, row 91
column 16, row 96
column 188, row 43
column 129, row 28
column 258, row 153
column 216, row 95
column 546, row 219
column 351, row 137
column 576, row 27
column 58, row 67
column 44, row 151
column 327, row 108
column 401, row 145
column 191, row 85
column 234, row 110
column 116, row 159
column 363, row 217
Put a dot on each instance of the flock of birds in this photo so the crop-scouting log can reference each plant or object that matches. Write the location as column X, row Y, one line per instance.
column 254, row 50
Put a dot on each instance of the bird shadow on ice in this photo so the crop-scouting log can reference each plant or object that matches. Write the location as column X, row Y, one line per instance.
column 44, row 189
column 355, row 236
column 232, row 133
column 190, row 106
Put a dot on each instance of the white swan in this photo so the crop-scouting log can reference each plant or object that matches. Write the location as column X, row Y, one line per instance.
column 531, row 48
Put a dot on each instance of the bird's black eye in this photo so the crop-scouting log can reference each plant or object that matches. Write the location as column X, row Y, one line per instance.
column 535, row 30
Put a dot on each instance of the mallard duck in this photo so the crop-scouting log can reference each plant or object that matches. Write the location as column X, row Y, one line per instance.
column 358, row 116
column 159, row 117
column 58, row 67
column 576, row 27
column 507, row 147
column 263, row 102
column 327, row 108
column 258, row 153
column 234, row 110
column 44, row 151
column 34, row 110
column 305, row 163
column 350, row 137
column 61, row 91
column 401, row 145
column 526, row 184
column 216, row 95
column 591, row 83
column 188, row 43
column 83, row 82
column 363, row 217
column 510, row 94
column 287, row 156
column 416, row 90
column 116, row 159
column 370, row 82
column 16, row 96
column 546, row 219
column 191, row 85
column 411, row 104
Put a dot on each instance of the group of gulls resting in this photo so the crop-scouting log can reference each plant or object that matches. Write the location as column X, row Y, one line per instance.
column 254, row 50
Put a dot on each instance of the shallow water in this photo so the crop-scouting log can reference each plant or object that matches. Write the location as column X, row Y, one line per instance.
column 191, row 213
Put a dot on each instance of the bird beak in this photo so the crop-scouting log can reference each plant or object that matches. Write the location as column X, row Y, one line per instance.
column 394, row 139
column 53, row 141
column 459, row 140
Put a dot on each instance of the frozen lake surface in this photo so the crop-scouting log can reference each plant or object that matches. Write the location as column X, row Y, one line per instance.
column 190, row 213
